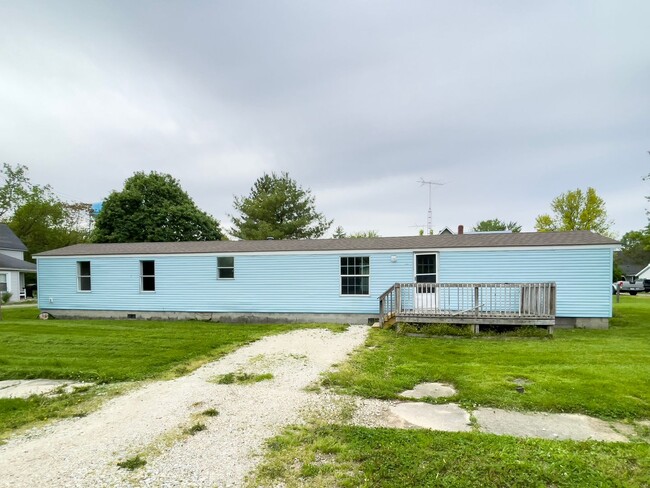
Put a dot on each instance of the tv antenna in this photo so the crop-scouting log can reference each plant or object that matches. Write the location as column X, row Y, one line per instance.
column 423, row 182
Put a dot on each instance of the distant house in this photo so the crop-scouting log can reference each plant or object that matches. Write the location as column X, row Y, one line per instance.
column 568, row 274
column 12, row 264
column 644, row 274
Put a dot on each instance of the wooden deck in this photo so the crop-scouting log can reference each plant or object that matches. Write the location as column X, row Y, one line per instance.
column 469, row 303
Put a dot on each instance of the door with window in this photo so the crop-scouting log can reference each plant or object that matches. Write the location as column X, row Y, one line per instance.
column 426, row 274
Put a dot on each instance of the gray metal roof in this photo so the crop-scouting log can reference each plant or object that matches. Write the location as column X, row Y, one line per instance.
column 523, row 239
column 9, row 263
column 9, row 240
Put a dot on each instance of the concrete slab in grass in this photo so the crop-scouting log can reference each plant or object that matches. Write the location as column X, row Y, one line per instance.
column 26, row 388
column 449, row 417
column 432, row 390
column 545, row 425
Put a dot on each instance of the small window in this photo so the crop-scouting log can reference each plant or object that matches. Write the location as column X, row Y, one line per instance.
column 83, row 276
column 226, row 268
column 425, row 268
column 3, row 282
column 148, row 275
column 355, row 275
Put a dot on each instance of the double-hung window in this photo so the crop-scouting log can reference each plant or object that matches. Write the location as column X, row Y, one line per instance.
column 83, row 276
column 3, row 282
column 147, row 276
column 355, row 275
column 226, row 268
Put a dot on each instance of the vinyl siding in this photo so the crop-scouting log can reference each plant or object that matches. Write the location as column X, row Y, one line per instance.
column 307, row 283
column 583, row 276
column 310, row 282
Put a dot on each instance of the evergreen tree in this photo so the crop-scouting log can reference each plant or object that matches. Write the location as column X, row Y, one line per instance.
column 277, row 207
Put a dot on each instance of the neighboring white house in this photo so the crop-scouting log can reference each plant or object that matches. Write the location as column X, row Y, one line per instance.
column 644, row 274
column 12, row 264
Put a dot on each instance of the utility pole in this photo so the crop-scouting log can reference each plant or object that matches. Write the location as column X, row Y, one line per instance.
column 423, row 182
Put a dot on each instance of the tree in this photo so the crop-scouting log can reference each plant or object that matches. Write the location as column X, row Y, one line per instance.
column 16, row 189
column 44, row 222
column 635, row 247
column 492, row 225
column 153, row 208
column 339, row 233
column 364, row 234
column 576, row 210
column 277, row 207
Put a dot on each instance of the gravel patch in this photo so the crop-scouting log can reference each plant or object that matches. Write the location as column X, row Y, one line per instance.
column 84, row 452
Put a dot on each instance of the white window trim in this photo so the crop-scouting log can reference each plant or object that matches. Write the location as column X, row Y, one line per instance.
column 341, row 276
column 6, row 282
column 79, row 276
column 142, row 275
column 226, row 267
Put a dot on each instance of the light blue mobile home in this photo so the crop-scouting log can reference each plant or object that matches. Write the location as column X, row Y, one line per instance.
column 317, row 279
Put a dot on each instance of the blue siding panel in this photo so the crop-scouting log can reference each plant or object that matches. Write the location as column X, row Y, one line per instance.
column 583, row 276
column 310, row 282
column 269, row 283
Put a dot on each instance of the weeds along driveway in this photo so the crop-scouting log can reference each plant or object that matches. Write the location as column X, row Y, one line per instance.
column 163, row 422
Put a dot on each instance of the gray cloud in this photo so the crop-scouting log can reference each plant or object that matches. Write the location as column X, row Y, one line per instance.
column 510, row 104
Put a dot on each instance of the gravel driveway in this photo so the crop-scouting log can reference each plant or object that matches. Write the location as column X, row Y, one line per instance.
column 151, row 420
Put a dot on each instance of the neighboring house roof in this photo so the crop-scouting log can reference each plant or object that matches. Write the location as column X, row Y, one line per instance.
column 9, row 240
column 630, row 269
column 645, row 271
column 13, row 264
column 522, row 239
column 446, row 231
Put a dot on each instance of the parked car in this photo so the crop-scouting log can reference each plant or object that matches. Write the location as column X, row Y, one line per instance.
column 629, row 284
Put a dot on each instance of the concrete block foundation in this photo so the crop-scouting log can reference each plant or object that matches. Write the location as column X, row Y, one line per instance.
column 233, row 317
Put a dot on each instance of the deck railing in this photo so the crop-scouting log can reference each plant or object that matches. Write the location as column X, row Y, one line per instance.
column 469, row 300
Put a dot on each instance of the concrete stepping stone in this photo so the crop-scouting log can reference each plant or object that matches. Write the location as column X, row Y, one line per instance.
column 432, row 390
column 448, row 417
column 26, row 388
column 554, row 426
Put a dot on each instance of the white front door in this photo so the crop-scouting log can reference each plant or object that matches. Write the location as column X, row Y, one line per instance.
column 426, row 272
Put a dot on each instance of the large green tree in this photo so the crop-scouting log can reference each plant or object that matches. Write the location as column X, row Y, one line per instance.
column 44, row 222
column 277, row 207
column 153, row 208
column 40, row 219
column 576, row 210
column 492, row 225
column 15, row 189
column 635, row 247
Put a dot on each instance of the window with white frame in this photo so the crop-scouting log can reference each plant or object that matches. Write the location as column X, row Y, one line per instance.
column 355, row 275
column 147, row 275
column 226, row 268
column 83, row 276
column 3, row 282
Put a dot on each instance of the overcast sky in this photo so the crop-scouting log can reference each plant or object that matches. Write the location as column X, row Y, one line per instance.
column 509, row 103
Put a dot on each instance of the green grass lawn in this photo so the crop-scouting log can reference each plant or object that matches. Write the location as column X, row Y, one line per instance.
column 105, row 351
column 335, row 455
column 605, row 373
